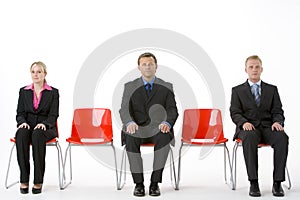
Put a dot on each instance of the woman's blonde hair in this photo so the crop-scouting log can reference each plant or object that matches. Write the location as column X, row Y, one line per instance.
column 41, row 64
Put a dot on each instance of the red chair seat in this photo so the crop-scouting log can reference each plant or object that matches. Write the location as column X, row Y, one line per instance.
column 205, row 141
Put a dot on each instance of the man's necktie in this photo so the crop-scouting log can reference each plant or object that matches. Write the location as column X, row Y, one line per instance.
column 255, row 92
column 148, row 89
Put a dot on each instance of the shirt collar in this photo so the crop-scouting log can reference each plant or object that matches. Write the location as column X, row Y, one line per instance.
column 31, row 87
column 251, row 83
column 151, row 82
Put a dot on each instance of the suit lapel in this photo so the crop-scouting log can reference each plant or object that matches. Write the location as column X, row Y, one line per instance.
column 264, row 94
column 140, row 84
column 249, row 93
column 45, row 99
column 29, row 98
column 155, row 88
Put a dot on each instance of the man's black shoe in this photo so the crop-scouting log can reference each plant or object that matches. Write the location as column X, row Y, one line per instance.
column 254, row 190
column 139, row 190
column 277, row 189
column 154, row 190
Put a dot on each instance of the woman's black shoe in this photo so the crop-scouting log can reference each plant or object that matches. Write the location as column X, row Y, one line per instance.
column 36, row 190
column 24, row 190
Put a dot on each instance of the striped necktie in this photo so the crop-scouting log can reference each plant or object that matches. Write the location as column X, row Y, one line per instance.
column 255, row 92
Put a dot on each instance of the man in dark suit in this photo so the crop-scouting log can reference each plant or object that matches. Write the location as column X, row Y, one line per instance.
column 256, row 110
column 148, row 113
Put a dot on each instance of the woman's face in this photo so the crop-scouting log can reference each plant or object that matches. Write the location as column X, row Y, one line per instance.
column 37, row 74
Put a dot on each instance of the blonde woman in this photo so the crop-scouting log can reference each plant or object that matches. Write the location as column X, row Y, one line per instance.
column 37, row 112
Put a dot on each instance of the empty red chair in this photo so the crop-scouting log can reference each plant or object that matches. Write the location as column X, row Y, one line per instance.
column 203, row 127
column 90, row 126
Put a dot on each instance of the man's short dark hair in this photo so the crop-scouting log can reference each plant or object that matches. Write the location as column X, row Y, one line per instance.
column 147, row 54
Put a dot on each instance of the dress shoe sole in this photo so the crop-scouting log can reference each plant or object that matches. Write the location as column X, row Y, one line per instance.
column 277, row 194
column 139, row 195
column 154, row 195
column 255, row 194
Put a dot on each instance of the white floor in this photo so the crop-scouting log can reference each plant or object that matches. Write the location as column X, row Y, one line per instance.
column 200, row 179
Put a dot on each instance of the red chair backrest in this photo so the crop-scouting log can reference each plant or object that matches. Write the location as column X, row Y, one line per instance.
column 202, row 124
column 92, row 123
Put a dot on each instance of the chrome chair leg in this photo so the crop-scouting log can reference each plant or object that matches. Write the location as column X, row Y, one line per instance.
column 8, row 169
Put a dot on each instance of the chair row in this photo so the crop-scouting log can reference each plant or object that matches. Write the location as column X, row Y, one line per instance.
column 93, row 126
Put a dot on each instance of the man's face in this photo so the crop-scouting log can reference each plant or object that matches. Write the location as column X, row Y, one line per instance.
column 147, row 67
column 254, row 70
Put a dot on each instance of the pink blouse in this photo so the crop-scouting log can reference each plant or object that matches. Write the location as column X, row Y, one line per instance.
column 36, row 100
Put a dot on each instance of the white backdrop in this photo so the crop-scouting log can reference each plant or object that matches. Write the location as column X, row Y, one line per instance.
column 63, row 34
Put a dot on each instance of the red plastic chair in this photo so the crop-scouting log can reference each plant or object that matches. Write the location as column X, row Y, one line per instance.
column 53, row 142
column 238, row 142
column 90, row 126
column 203, row 127
column 123, row 166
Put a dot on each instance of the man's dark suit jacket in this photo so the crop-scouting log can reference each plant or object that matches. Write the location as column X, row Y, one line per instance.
column 136, row 104
column 47, row 112
column 243, row 107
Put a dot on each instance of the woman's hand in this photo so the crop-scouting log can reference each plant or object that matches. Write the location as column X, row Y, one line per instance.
column 40, row 126
column 24, row 125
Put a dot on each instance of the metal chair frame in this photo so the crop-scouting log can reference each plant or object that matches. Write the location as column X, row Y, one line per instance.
column 66, row 183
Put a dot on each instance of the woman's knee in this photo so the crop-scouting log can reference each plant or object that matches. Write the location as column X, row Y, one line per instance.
column 38, row 136
column 22, row 133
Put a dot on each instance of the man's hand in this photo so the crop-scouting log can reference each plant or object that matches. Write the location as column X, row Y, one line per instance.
column 276, row 126
column 248, row 126
column 164, row 128
column 131, row 128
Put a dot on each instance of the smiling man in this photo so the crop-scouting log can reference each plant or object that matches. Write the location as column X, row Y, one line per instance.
column 256, row 110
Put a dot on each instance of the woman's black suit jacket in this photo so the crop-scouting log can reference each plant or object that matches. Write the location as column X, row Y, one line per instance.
column 47, row 112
